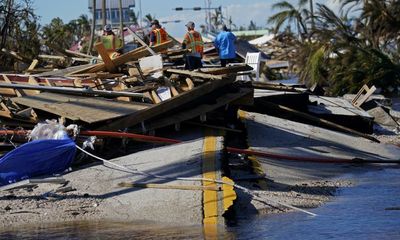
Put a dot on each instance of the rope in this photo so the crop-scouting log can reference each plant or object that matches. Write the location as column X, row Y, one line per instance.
column 246, row 190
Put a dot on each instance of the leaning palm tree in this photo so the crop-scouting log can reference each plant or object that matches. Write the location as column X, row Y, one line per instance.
column 342, row 60
column 148, row 18
column 290, row 15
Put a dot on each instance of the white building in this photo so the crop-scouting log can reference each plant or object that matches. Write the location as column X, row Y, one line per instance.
column 112, row 11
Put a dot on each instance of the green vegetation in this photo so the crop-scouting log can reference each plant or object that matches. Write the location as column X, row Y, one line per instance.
column 342, row 53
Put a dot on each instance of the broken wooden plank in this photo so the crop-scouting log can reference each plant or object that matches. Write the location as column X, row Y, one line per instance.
column 109, row 64
column 137, row 38
column 228, row 70
column 318, row 120
column 74, row 91
column 75, row 108
column 17, row 56
column 196, row 74
column 360, row 99
column 33, row 65
column 168, row 105
column 133, row 56
column 194, row 112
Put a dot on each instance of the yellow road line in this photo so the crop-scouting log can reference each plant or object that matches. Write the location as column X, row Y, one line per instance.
column 210, row 198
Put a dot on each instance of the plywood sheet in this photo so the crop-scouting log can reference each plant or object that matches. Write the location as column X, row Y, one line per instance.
column 87, row 109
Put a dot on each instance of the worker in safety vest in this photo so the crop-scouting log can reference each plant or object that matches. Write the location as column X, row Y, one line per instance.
column 195, row 45
column 157, row 35
column 111, row 42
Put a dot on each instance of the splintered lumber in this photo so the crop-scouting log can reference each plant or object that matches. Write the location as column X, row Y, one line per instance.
column 319, row 120
column 196, row 111
column 273, row 86
column 76, row 108
column 168, row 186
column 228, row 70
column 132, row 56
column 73, row 91
column 65, row 72
column 79, row 54
column 110, row 66
column 17, row 56
column 33, row 65
column 141, row 42
column 196, row 74
column 168, row 105
column 44, row 56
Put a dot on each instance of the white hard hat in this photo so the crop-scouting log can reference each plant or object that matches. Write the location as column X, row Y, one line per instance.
column 107, row 28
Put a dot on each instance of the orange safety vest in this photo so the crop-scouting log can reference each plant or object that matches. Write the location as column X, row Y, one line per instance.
column 161, row 36
column 194, row 41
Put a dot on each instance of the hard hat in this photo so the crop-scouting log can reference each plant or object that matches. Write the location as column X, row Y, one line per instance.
column 155, row 22
column 190, row 24
column 107, row 28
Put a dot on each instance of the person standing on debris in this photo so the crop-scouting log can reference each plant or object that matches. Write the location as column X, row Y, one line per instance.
column 158, row 35
column 225, row 45
column 111, row 42
column 195, row 45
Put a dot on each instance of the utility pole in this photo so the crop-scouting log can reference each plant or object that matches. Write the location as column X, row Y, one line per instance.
column 103, row 12
column 93, row 27
column 121, row 24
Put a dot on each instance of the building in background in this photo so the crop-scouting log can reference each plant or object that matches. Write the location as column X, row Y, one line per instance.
column 112, row 11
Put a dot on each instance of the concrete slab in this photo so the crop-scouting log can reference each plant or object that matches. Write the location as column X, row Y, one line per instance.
column 280, row 136
column 98, row 197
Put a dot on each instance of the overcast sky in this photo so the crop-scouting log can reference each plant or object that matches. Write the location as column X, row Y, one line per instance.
column 241, row 11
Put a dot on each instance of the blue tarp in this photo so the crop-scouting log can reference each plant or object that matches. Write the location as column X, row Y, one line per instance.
column 36, row 158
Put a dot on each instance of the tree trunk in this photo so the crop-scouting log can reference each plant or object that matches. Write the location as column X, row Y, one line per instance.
column 103, row 12
column 7, row 20
column 121, row 24
column 93, row 28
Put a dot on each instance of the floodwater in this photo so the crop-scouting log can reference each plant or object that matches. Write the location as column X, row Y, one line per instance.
column 368, row 210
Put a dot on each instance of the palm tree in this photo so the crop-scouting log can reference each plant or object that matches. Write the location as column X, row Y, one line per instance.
column 290, row 15
column 58, row 34
column 148, row 18
column 342, row 60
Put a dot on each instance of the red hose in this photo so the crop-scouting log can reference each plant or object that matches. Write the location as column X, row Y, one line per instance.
column 236, row 150
column 147, row 138
column 14, row 132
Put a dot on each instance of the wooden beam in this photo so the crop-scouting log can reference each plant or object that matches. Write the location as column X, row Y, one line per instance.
column 33, row 65
column 108, row 63
column 17, row 56
column 167, row 105
column 11, row 90
column 318, row 120
column 142, row 42
column 195, row 74
column 133, row 56
column 193, row 112
column 227, row 70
